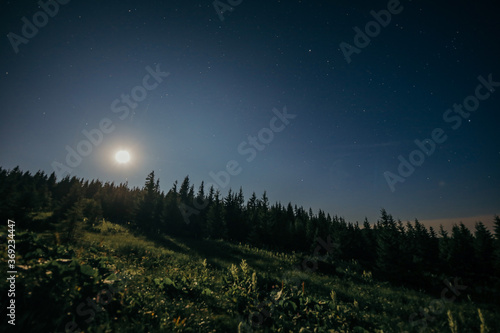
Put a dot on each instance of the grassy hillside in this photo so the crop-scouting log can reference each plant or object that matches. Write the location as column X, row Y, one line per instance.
column 114, row 281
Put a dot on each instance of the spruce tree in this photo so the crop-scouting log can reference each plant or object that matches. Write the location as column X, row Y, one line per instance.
column 388, row 248
column 146, row 218
column 483, row 250
column 461, row 255
column 496, row 228
column 216, row 222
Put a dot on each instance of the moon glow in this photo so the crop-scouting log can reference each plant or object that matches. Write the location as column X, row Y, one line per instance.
column 122, row 156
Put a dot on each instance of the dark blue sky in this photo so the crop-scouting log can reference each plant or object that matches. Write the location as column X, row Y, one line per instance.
column 348, row 121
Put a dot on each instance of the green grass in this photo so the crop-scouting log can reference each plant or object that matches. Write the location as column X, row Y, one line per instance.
column 186, row 285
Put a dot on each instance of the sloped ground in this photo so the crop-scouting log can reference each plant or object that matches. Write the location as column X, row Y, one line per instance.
column 114, row 281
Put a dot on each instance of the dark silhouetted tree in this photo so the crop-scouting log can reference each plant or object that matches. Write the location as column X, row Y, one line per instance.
column 483, row 250
column 461, row 255
column 146, row 218
column 388, row 260
column 216, row 223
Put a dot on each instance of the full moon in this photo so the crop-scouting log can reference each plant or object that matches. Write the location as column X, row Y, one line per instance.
column 122, row 156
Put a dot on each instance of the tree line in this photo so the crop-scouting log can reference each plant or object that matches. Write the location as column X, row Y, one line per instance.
column 407, row 252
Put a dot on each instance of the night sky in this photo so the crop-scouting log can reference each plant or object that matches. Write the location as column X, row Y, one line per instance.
column 316, row 103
